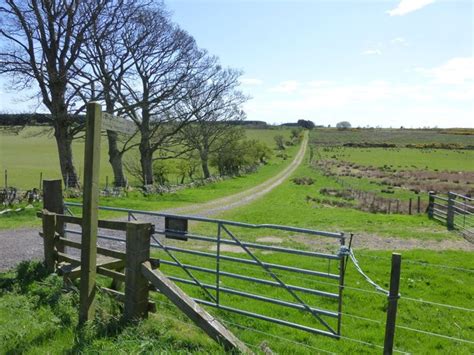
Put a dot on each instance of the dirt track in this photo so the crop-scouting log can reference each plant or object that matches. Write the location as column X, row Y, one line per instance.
column 25, row 244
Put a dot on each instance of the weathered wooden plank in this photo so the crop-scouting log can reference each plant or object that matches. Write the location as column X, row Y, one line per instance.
column 196, row 313
column 112, row 225
column 117, row 124
column 119, row 276
column 100, row 250
column 90, row 212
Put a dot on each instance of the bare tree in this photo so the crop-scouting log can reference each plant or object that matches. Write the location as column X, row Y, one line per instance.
column 166, row 66
column 108, row 61
column 214, row 109
column 43, row 42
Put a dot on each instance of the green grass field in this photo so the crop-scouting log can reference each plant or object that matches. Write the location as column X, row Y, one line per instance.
column 30, row 153
column 437, row 283
column 400, row 137
column 405, row 158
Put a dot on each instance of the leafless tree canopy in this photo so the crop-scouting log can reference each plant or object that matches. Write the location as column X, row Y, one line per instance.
column 129, row 55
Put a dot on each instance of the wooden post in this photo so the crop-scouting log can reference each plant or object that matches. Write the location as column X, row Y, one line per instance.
column 450, row 212
column 41, row 181
column 6, row 178
column 136, row 285
column 53, row 202
column 409, row 205
column 389, row 205
column 90, row 211
column 392, row 304
column 431, row 199
column 49, row 230
column 418, row 205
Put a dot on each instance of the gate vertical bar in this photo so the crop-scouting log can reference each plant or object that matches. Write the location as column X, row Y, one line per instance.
column 342, row 269
column 90, row 212
column 218, row 268
column 392, row 304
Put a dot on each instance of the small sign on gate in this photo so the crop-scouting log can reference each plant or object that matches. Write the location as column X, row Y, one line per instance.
column 176, row 228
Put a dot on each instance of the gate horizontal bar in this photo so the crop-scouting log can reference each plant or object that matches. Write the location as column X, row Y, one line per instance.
column 250, row 262
column 257, row 297
column 256, row 280
column 253, row 245
column 269, row 319
column 224, row 222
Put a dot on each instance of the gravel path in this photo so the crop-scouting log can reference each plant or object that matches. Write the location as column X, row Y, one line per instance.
column 25, row 244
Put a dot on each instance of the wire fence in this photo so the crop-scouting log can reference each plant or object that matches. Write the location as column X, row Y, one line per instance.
column 356, row 334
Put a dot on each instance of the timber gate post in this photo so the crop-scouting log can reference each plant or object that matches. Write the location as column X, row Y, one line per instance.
column 136, row 285
column 392, row 304
column 450, row 212
column 53, row 202
column 431, row 204
column 49, row 234
column 90, row 212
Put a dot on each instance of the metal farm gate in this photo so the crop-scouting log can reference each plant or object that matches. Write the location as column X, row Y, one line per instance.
column 222, row 264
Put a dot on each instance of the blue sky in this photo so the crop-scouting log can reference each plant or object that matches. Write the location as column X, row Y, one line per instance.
column 389, row 63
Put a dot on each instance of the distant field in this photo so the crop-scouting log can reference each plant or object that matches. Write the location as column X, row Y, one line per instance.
column 404, row 158
column 401, row 137
column 30, row 153
column 396, row 173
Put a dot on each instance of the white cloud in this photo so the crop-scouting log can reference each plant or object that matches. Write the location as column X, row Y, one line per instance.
column 372, row 52
column 378, row 102
column 251, row 81
column 407, row 6
column 455, row 71
column 286, row 87
column 400, row 41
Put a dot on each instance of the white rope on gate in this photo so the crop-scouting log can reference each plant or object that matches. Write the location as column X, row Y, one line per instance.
column 350, row 253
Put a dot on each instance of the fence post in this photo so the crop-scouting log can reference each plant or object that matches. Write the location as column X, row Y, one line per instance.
column 41, row 181
column 49, row 230
column 409, row 206
column 418, row 205
column 53, row 202
column 431, row 200
column 90, row 212
column 6, row 178
column 450, row 212
column 136, row 285
column 392, row 304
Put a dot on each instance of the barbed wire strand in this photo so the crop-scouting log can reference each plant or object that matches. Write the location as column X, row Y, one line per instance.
column 443, row 266
column 287, row 339
column 437, row 304
column 278, row 337
column 435, row 334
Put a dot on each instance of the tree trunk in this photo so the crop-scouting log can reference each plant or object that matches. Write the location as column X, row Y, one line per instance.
column 64, row 144
column 146, row 161
column 115, row 159
column 205, row 165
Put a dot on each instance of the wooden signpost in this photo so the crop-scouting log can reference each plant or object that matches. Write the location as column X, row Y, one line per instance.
column 96, row 121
